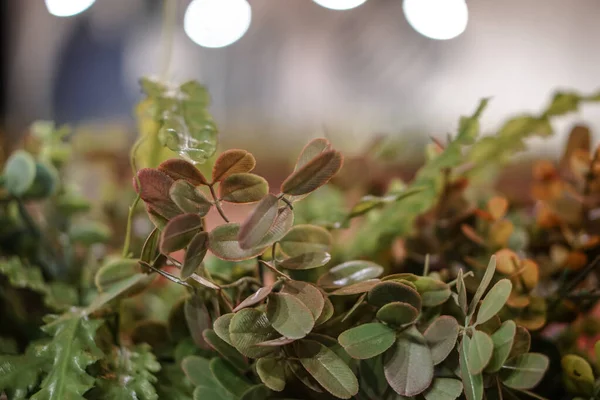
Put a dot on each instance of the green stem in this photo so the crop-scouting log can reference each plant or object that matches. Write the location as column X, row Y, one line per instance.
column 127, row 243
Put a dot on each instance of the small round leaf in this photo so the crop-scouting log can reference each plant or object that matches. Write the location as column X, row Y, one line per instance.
column 243, row 188
column 397, row 313
column 368, row 340
column 231, row 162
column 179, row 231
column 313, row 174
column 289, row 316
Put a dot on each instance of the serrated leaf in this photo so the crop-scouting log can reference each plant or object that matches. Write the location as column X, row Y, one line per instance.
column 494, row 301
column 248, row 328
column 194, row 254
column 223, row 243
column 444, row 389
column 472, row 384
column 271, row 372
column 259, row 222
column 483, row 285
column 367, row 340
column 308, row 294
column 228, row 377
column 289, row 316
column 305, row 261
column 305, row 239
column 350, row 272
column 131, row 375
column 188, row 198
column 19, row 172
column 479, row 352
column 357, row 288
column 408, row 366
column 153, row 188
column 441, row 337
column 313, row 174
column 70, row 351
column 254, row 298
column 525, row 371
column 327, row 369
column 243, row 188
column 180, row 169
column 388, row 292
column 20, row 374
column 179, row 232
column 231, row 162
column 503, row 340
column 397, row 314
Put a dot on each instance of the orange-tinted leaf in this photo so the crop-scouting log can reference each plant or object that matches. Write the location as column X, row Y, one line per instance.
column 243, row 188
column 576, row 260
column 500, row 232
column 179, row 231
column 530, row 274
column 506, row 261
column 257, row 225
column 154, row 191
column 231, row 162
column 470, row 233
column 497, row 207
column 314, row 174
column 181, row 169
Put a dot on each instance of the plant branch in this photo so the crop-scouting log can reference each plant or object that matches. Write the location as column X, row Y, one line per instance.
column 217, row 203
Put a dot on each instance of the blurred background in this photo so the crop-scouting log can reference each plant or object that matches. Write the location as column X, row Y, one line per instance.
column 302, row 69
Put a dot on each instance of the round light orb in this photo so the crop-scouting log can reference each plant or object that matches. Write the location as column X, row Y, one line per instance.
column 437, row 19
column 217, row 23
column 339, row 4
column 67, row 8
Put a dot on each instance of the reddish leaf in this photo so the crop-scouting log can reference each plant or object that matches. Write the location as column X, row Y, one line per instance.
column 194, row 254
column 314, row 174
column 232, row 161
column 257, row 225
column 179, row 232
column 154, row 191
column 181, row 169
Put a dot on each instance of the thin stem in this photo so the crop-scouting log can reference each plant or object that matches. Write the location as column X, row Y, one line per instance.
column 286, row 201
column 272, row 268
column 168, row 31
column 170, row 277
column 453, row 282
column 426, row 267
column 127, row 243
column 217, row 203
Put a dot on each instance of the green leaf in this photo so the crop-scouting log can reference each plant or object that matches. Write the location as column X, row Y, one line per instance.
column 397, row 313
column 198, row 371
column 197, row 319
column 305, row 239
column 483, row 285
column 243, row 188
column 248, row 328
column 308, row 294
column 357, row 288
column 70, row 351
column 254, row 298
column 89, row 233
column 231, row 162
column 494, row 301
column 350, row 272
column 462, row 292
column 131, row 375
column 188, row 198
column 305, row 261
column 223, row 243
column 326, row 314
column 578, row 375
column 19, row 172
column 271, row 372
column 122, row 288
column 153, row 188
column 503, row 340
column 313, row 174
column 20, row 374
column 256, row 392
column 372, row 378
column 444, row 389
column 433, row 292
column 289, row 316
column 115, row 271
column 441, row 337
column 257, row 225
column 563, row 103
column 150, row 248
column 282, row 224
column 228, row 377
column 389, row 292
column 327, row 369
column 480, row 351
column 194, row 254
column 368, row 340
column 521, row 344
column 408, row 366
column 472, row 384
column 178, row 169
column 179, row 232
column 221, row 327
column 525, row 371
column 203, row 393
column 172, row 384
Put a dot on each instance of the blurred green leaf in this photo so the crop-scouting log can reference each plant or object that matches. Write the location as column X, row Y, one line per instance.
column 19, row 172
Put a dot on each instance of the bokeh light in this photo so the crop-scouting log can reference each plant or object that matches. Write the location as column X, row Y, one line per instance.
column 339, row 4
column 67, row 8
column 437, row 19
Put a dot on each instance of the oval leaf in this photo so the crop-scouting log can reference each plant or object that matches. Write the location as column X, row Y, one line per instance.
column 441, row 337
column 179, row 232
column 271, row 372
column 306, row 261
column 472, row 384
column 179, row 169
column 479, row 352
column 389, row 292
column 368, row 340
column 227, row 351
column 254, row 298
column 494, row 301
column 444, row 389
column 433, row 292
column 350, row 272
column 327, row 369
column 188, row 198
column 221, row 327
column 397, row 314
column 243, row 188
column 304, row 239
column 503, row 340
column 357, row 288
column 525, row 371
column 231, row 162
column 281, row 226
column 153, row 188
column 308, row 294
column 258, row 224
column 194, row 254
column 409, row 367
column 313, row 174
column 228, row 377
column 311, row 150
column 289, row 316
column 19, row 172
column 223, row 243
column 248, row 328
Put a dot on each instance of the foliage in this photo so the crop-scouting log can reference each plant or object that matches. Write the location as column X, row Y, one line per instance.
column 423, row 290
